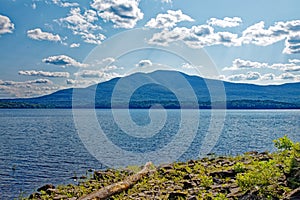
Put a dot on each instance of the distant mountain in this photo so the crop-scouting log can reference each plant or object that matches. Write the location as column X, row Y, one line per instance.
column 161, row 88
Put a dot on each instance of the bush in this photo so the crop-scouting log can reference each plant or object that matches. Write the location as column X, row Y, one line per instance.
column 284, row 143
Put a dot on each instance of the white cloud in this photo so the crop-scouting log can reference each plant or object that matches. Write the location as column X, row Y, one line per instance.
column 14, row 83
column 288, row 76
column 168, row 20
column 81, row 83
column 64, row 61
column 258, row 35
column 123, row 13
column 6, row 26
column 203, row 35
column 262, row 78
column 195, row 37
column 268, row 77
column 38, row 34
column 28, row 88
column 84, row 25
column 189, row 66
column 294, row 61
column 226, row 22
column 96, row 74
column 287, row 67
column 292, row 44
column 64, row 4
column 144, row 63
column 90, row 74
column 239, row 64
column 244, row 77
column 166, row 1
column 74, row 45
column 45, row 74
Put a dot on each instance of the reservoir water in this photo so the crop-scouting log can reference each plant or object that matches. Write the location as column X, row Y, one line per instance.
column 40, row 146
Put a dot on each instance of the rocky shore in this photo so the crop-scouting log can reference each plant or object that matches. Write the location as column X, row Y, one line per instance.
column 252, row 176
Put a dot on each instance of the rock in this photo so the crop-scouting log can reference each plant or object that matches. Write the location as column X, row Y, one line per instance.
column 35, row 195
column 250, row 195
column 235, row 193
column 234, row 190
column 188, row 176
column 59, row 197
column 187, row 185
column 46, row 187
column 192, row 197
column 176, row 195
column 294, row 195
column 82, row 177
column 253, row 153
column 103, row 174
column 165, row 166
column 224, row 174
column 217, row 180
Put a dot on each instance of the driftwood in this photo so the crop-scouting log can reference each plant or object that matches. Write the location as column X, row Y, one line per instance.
column 118, row 187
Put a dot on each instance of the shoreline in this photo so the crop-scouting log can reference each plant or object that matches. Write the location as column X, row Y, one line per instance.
column 252, row 175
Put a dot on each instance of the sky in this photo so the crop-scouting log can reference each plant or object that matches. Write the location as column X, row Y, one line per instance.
column 48, row 45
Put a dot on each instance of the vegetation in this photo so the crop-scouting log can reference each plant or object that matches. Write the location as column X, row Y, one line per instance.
column 250, row 176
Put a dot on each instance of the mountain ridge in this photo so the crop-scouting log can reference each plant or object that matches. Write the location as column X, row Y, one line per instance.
column 161, row 87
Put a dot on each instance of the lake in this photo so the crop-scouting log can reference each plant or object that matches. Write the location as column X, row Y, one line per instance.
column 40, row 146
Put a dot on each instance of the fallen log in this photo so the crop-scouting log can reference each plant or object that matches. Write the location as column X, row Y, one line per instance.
column 118, row 187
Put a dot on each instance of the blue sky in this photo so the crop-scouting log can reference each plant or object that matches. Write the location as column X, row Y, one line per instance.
column 46, row 45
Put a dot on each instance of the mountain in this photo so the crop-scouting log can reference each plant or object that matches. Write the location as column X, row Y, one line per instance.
column 171, row 89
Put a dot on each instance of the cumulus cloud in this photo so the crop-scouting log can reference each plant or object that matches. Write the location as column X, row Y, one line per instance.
column 262, row 78
column 63, row 60
column 166, row 1
column 6, row 26
column 74, row 45
column 144, row 63
column 84, row 25
column 45, row 74
column 243, row 77
column 28, row 88
column 226, row 22
column 98, row 74
column 240, row 64
column 294, row 60
column 14, row 83
column 64, row 4
column 257, row 34
column 38, row 34
column 122, row 13
column 287, row 67
column 195, row 37
column 292, row 44
column 268, row 77
column 204, row 35
column 189, row 66
column 82, row 83
column 288, row 76
column 168, row 20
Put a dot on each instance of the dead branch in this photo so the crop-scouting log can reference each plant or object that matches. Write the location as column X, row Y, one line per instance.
column 118, row 187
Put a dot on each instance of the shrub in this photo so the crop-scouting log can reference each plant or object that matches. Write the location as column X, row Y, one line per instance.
column 284, row 143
